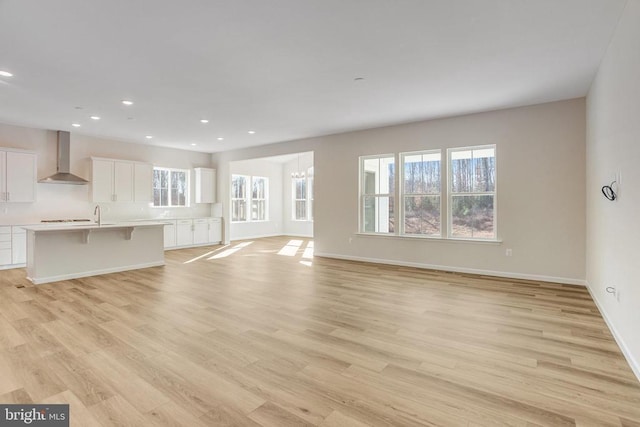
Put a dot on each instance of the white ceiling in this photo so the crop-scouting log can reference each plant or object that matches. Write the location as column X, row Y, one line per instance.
column 286, row 68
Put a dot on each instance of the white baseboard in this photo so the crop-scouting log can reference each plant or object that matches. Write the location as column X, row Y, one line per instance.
column 258, row 236
column 510, row 275
column 78, row 275
column 633, row 363
column 233, row 239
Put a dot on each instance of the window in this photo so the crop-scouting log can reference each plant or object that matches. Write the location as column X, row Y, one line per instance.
column 302, row 196
column 472, row 192
column 239, row 198
column 377, row 187
column 421, row 193
column 259, row 199
column 170, row 187
column 242, row 198
column 299, row 198
column 469, row 205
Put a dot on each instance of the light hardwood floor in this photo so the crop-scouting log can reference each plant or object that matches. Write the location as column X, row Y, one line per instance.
column 246, row 336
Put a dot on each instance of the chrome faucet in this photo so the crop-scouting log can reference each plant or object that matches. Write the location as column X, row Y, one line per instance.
column 97, row 211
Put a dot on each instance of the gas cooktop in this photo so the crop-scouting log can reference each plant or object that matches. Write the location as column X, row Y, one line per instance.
column 66, row 220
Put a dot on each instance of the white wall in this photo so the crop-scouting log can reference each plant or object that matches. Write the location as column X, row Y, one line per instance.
column 74, row 201
column 541, row 190
column 254, row 229
column 613, row 147
column 290, row 226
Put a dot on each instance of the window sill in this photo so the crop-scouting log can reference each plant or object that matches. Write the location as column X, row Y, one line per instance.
column 436, row 239
column 169, row 207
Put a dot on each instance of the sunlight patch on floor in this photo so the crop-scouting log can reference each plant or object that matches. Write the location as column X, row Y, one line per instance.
column 231, row 251
column 205, row 255
column 308, row 251
column 291, row 248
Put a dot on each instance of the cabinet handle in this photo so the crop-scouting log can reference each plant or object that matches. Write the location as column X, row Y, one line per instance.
column 8, row 196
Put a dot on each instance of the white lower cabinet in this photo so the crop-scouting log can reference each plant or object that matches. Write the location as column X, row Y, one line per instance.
column 13, row 246
column 200, row 231
column 5, row 245
column 215, row 230
column 184, row 232
column 18, row 245
column 170, row 235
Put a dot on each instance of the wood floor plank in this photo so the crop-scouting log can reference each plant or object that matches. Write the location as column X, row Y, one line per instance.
column 260, row 339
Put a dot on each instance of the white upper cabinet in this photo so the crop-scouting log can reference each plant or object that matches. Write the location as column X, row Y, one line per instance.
column 121, row 181
column 143, row 182
column 205, row 185
column 17, row 176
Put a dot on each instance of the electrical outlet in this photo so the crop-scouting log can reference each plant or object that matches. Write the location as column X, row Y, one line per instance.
column 350, row 240
column 509, row 252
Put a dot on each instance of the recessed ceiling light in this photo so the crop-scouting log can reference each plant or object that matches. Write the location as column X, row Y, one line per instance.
column 357, row 79
column 5, row 73
column 149, row 136
column 95, row 118
column 127, row 102
column 220, row 138
column 194, row 144
column 252, row 132
column 75, row 125
column 204, row 121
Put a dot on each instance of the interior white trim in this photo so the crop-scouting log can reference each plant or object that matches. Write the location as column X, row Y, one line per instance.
column 70, row 276
column 510, row 275
column 633, row 363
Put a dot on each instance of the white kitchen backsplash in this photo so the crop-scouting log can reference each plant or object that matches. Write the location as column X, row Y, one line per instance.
column 58, row 201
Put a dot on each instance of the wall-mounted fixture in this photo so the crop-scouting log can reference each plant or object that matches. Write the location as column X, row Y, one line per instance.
column 608, row 191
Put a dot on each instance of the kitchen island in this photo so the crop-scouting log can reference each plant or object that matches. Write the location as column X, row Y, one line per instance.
column 63, row 252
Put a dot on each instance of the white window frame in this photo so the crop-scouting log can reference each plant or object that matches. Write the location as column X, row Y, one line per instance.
column 265, row 199
column 308, row 196
column 451, row 194
column 247, row 213
column 400, row 179
column 187, row 196
column 392, row 194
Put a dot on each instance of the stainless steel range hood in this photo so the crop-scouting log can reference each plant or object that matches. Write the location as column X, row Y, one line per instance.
column 64, row 175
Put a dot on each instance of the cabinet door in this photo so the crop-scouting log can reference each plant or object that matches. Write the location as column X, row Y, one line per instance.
column 18, row 245
column 102, row 180
column 143, row 182
column 184, row 232
column 205, row 185
column 200, row 231
column 170, row 235
column 21, row 177
column 123, row 181
column 215, row 230
column 3, row 176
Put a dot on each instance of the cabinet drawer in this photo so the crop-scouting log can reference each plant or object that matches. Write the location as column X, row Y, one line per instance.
column 185, row 221
column 215, row 220
column 200, row 221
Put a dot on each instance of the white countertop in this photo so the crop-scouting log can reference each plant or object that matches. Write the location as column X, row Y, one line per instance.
column 91, row 226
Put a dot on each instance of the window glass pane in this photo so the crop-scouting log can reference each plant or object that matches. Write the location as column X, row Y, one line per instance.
column 484, row 170
column 238, row 187
column 378, row 175
column 156, row 197
column 461, row 171
column 301, row 210
column 422, row 173
column 178, row 188
column 238, row 210
column 378, row 212
column 422, row 215
column 258, row 188
column 164, row 197
column 301, row 188
column 472, row 216
column 258, row 210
